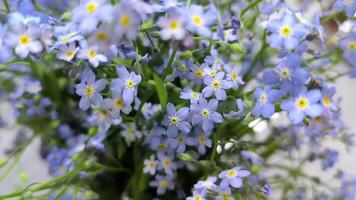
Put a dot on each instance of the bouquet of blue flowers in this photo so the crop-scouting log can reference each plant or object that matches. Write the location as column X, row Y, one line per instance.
column 150, row 99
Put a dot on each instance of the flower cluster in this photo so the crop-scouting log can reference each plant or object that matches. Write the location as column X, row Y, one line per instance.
column 119, row 90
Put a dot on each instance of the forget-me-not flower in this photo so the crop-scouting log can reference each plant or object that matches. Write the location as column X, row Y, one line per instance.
column 176, row 120
column 265, row 99
column 306, row 103
column 89, row 89
column 126, row 84
column 204, row 114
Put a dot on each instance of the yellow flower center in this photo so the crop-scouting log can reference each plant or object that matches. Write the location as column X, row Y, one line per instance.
column 226, row 197
column 286, row 31
column 318, row 119
column 162, row 146
column 197, row 20
column 118, row 103
column 202, row 139
column 216, row 84
column 302, row 103
column 225, row 33
column 348, row 2
column 163, row 184
column 326, row 101
column 24, row 40
column 91, row 7
column 102, row 36
column 174, row 120
column 198, row 197
column 70, row 54
column 91, row 53
column 231, row 173
column 183, row 68
column 125, row 21
column 130, row 131
column 152, row 165
column 130, row 83
column 284, row 73
column 205, row 113
column 167, row 162
column 181, row 139
column 104, row 114
column 89, row 91
column 195, row 95
column 212, row 73
column 234, row 76
column 174, row 25
column 64, row 40
column 263, row 98
column 199, row 73
column 352, row 46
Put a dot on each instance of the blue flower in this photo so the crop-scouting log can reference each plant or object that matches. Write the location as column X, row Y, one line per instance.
column 150, row 165
column 130, row 132
column 268, row 7
column 326, row 98
column 172, row 27
column 266, row 189
column 305, row 103
column 5, row 49
column 126, row 84
column 348, row 5
column 202, row 140
column 233, row 177
column 104, row 117
column 198, row 21
column 25, row 40
column 176, row 120
column 92, row 54
column 330, row 158
column 205, row 114
column 233, row 74
column 162, row 183
column 166, row 163
column 286, row 32
column 90, row 12
column 188, row 93
column 348, row 187
column 288, row 74
column 349, row 45
column 216, row 86
column 265, row 99
column 214, row 59
column 89, row 90
column 127, row 22
column 241, row 111
column 181, row 141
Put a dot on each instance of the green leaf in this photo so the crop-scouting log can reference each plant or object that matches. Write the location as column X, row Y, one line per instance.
column 147, row 25
column 161, row 91
column 238, row 48
column 120, row 61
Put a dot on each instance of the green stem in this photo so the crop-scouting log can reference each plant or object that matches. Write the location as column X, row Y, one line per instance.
column 251, row 5
column 18, row 157
column 6, row 4
column 215, row 144
column 170, row 62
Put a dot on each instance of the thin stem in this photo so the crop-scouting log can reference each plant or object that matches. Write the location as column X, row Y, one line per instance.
column 18, row 157
column 170, row 62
